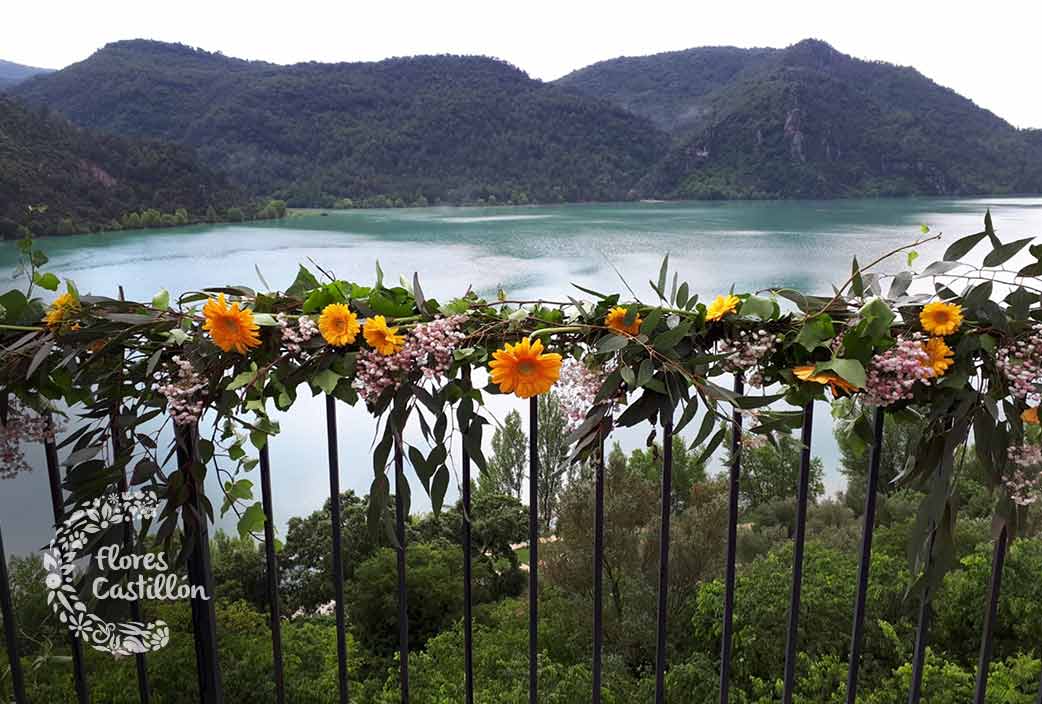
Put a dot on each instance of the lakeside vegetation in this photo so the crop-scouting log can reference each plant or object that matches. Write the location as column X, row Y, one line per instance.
column 434, row 561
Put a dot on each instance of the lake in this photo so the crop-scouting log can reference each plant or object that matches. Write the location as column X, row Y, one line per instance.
column 531, row 252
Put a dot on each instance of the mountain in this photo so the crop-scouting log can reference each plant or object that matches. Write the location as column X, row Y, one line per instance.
column 12, row 74
column 88, row 181
column 809, row 121
column 420, row 129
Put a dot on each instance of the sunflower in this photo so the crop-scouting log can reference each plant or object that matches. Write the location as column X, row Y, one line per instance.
column 838, row 385
column 940, row 356
column 616, row 320
column 338, row 325
column 524, row 369
column 231, row 327
column 941, row 318
column 383, row 339
column 721, row 306
column 1030, row 416
column 64, row 306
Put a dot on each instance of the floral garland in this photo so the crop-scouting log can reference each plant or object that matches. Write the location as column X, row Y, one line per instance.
column 963, row 357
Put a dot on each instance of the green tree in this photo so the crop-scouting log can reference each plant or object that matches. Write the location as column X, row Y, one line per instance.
column 688, row 471
column 508, row 464
column 772, row 473
column 552, row 445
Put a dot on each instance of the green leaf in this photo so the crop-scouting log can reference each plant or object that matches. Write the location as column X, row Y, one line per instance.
column 662, row 273
column 252, row 520
column 850, row 369
column 48, row 281
column 611, row 343
column 304, row 282
column 815, row 331
column 243, row 379
column 439, row 485
column 1001, row 255
column 962, row 246
column 759, row 307
column 912, row 256
column 877, row 319
column 326, row 380
column 161, row 300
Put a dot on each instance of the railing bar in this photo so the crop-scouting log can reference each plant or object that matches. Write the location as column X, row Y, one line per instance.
column 872, row 490
column 533, row 551
column 663, row 556
column 200, row 573
column 468, row 596
column 338, row 559
column 58, row 508
column 598, row 571
column 403, row 596
column 10, row 629
column 797, row 559
column 7, row 605
column 919, row 656
column 272, row 573
column 998, row 560
column 732, row 546
column 144, row 691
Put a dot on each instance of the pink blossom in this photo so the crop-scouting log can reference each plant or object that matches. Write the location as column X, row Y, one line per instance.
column 893, row 374
column 747, row 352
column 428, row 349
column 1021, row 364
column 183, row 400
column 295, row 336
column 23, row 426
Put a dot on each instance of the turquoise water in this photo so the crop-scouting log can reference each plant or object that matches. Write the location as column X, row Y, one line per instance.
column 531, row 252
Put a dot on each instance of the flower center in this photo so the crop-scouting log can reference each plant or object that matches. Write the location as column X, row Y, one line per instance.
column 526, row 367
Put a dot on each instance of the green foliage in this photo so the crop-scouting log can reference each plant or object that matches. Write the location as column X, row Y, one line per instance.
column 808, row 121
column 403, row 131
column 771, row 473
column 508, row 465
column 87, row 180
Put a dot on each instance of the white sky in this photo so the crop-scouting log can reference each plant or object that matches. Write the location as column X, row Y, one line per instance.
column 989, row 52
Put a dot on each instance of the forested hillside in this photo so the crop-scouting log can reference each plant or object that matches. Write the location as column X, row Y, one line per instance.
column 809, row 121
column 87, row 181
column 422, row 129
column 12, row 74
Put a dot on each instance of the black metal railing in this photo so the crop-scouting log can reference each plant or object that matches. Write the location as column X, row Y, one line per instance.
column 205, row 628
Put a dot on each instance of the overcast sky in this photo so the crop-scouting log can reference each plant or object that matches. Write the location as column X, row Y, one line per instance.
column 989, row 52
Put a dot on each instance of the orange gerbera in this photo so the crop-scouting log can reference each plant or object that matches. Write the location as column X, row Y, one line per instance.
column 838, row 385
column 231, row 327
column 940, row 354
column 381, row 338
column 721, row 306
column 941, row 318
column 338, row 325
column 1030, row 416
column 63, row 307
column 524, row 369
column 616, row 320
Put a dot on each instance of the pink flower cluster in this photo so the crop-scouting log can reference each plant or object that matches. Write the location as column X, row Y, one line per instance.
column 892, row 375
column 295, row 336
column 576, row 389
column 1024, row 483
column 428, row 348
column 183, row 400
column 23, row 426
column 1021, row 363
column 747, row 351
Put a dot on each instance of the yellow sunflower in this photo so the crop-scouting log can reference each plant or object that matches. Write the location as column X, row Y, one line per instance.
column 941, row 318
column 383, row 339
column 338, row 325
column 616, row 320
column 1030, row 416
column 940, row 356
column 721, row 306
column 231, row 327
column 64, row 307
column 838, row 385
column 524, row 369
